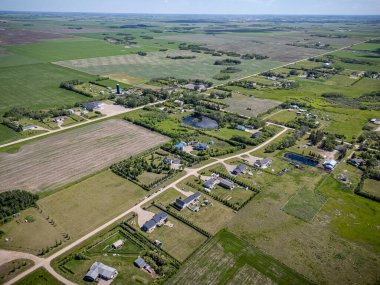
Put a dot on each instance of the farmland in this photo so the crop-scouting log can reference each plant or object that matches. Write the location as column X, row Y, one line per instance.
column 73, row 154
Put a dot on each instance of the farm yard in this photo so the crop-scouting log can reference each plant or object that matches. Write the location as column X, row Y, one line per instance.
column 66, row 157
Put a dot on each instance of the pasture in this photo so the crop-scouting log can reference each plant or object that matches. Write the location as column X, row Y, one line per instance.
column 68, row 156
column 156, row 64
column 226, row 259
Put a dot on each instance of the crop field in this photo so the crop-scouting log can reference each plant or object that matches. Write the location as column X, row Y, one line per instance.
column 68, row 156
column 180, row 240
column 272, row 44
column 248, row 106
column 226, row 259
column 37, row 86
column 155, row 64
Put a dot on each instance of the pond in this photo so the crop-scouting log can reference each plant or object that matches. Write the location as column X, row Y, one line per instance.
column 201, row 123
column 301, row 159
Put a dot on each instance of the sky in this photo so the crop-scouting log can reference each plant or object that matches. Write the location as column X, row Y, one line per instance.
column 284, row 7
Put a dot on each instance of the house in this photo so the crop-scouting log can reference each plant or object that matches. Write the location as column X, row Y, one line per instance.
column 92, row 105
column 241, row 168
column 59, row 119
column 201, row 146
column 178, row 102
column 158, row 220
column 181, row 204
column 263, row 163
column 168, row 161
column 373, row 121
column 210, row 183
column 117, row 244
column 180, row 145
column 84, row 112
column 28, row 127
column 326, row 64
column 356, row 161
column 240, row 128
column 330, row 164
column 140, row 263
column 226, row 184
column 257, row 134
column 100, row 270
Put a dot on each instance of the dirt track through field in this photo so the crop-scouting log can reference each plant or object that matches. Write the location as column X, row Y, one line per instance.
column 66, row 157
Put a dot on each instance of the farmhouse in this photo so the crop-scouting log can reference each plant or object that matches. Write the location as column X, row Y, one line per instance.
column 356, row 161
column 140, row 262
column 28, row 127
column 59, row 119
column 330, row 164
column 181, row 204
column 201, row 146
column 92, row 105
column 158, row 220
column 263, row 163
column 241, row 168
column 117, row 244
column 226, row 184
column 240, row 128
column 180, row 145
column 100, row 270
column 210, row 183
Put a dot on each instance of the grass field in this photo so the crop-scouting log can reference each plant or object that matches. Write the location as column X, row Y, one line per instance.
column 155, row 64
column 91, row 202
column 372, row 186
column 226, row 259
column 7, row 134
column 30, row 236
column 13, row 268
column 68, row 156
column 180, row 240
column 248, row 106
column 37, row 86
column 41, row 277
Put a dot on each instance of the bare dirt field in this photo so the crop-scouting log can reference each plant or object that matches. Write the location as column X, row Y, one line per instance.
column 11, row 36
column 66, row 157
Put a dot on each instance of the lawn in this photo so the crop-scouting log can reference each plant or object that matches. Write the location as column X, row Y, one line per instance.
column 226, row 259
column 180, row 240
column 90, row 203
column 30, row 236
column 282, row 116
column 211, row 218
column 7, row 134
column 39, row 277
column 36, row 86
column 372, row 186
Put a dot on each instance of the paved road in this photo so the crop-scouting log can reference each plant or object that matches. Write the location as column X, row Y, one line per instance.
column 45, row 262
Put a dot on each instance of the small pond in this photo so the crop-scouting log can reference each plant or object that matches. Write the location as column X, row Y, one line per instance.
column 301, row 159
column 201, row 123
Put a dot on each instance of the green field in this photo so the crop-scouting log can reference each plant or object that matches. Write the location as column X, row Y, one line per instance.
column 12, row 268
column 226, row 259
column 7, row 134
column 37, row 86
column 372, row 186
column 155, row 64
column 39, row 277
column 90, row 203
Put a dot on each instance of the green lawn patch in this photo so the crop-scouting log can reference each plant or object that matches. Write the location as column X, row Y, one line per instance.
column 40, row 276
